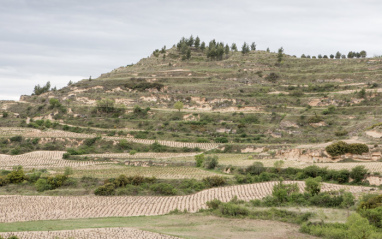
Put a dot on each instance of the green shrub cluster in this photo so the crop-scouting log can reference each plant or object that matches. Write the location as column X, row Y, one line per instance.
column 50, row 183
column 238, row 209
column 258, row 173
column 289, row 195
column 214, row 181
column 340, row 148
column 356, row 227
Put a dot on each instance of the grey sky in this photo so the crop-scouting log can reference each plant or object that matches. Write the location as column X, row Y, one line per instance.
column 63, row 40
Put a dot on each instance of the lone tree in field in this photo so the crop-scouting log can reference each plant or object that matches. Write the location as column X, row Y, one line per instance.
column 253, row 46
column 178, row 105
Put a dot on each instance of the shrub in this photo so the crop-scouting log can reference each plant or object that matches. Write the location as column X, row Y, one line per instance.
column 42, row 185
column 56, row 181
column 233, row 210
column 132, row 152
column 66, row 155
column 358, row 148
column 199, row 160
column 90, row 142
column 3, row 181
column 221, row 140
column 54, row 103
column 211, row 162
column 17, row 138
column 163, row 188
column 214, row 181
column 17, row 175
column 192, row 185
column 313, row 185
column 105, row 190
column 106, row 105
column 214, row 204
column 314, row 171
column 373, row 215
column 358, row 173
column 370, row 201
column 157, row 147
column 124, row 144
column 256, row 168
column 340, row 148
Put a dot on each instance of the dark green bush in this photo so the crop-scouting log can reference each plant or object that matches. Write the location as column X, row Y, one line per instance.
column 255, row 169
column 221, row 140
column 211, row 162
column 340, row 148
column 233, row 210
column 17, row 175
column 214, row 204
column 105, row 190
column 163, row 189
column 358, row 173
column 214, row 181
column 17, row 138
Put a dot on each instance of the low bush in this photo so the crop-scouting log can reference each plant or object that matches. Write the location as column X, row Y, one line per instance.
column 163, row 189
column 211, row 162
column 105, row 190
column 214, row 181
column 340, row 148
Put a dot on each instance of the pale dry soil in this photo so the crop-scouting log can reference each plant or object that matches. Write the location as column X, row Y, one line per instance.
column 183, row 226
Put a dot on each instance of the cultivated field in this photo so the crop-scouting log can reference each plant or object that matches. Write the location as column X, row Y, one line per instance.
column 40, row 159
column 31, row 208
column 97, row 233
column 168, row 172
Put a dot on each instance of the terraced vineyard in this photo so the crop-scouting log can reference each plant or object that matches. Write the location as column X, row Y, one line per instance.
column 98, row 233
column 40, row 159
column 30, row 208
column 161, row 172
column 188, row 127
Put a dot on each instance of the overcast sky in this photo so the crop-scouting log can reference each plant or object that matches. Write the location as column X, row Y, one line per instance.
column 63, row 40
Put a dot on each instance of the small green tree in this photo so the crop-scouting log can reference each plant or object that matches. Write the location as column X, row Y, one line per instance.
column 313, row 185
column 226, row 49
column 203, row 46
column 358, row 173
column 54, row 103
column 199, row 160
column 233, row 47
column 278, row 165
column 106, row 105
column 280, row 55
column 358, row 227
column 338, row 55
column 211, row 162
column 245, row 48
column 178, row 105
column 362, row 93
column 253, row 46
column 363, row 54
column 197, row 42
column 38, row 90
